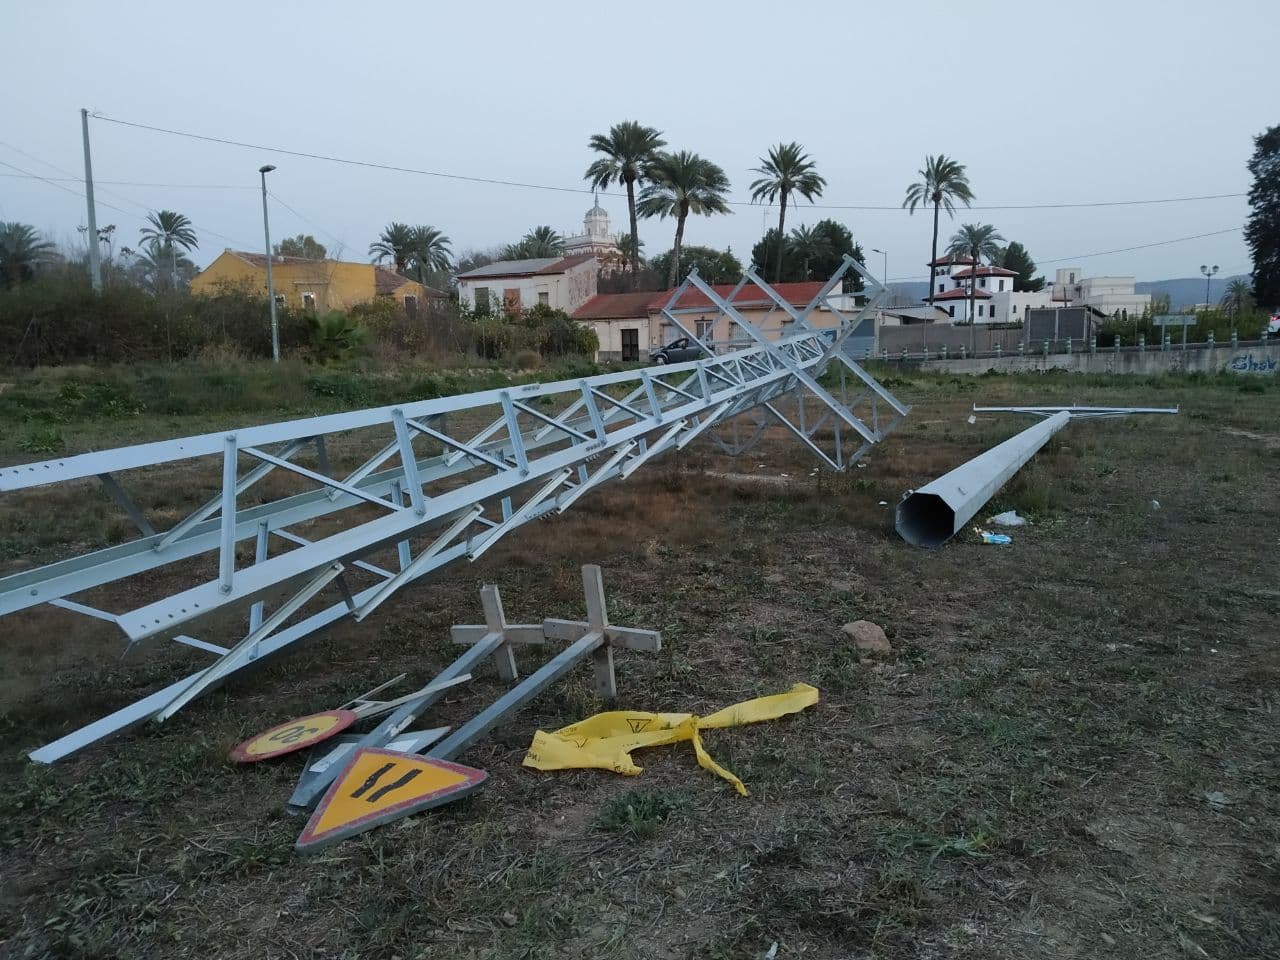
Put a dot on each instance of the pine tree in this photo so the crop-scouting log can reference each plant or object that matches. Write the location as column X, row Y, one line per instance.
column 1263, row 229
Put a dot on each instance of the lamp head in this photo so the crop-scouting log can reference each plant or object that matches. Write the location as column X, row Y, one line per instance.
column 267, row 168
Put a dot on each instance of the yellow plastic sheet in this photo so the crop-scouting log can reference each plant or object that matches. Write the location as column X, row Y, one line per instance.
column 605, row 741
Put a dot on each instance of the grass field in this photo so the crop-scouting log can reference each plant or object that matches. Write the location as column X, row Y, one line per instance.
column 1072, row 750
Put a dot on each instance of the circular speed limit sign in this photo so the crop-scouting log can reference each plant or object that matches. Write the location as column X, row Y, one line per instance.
column 293, row 735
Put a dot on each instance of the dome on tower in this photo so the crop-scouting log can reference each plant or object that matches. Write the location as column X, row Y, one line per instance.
column 596, row 221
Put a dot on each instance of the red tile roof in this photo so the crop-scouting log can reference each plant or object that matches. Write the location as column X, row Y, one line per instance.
column 984, row 272
column 959, row 294
column 796, row 294
column 260, row 259
column 623, row 306
column 948, row 259
column 387, row 282
column 615, row 306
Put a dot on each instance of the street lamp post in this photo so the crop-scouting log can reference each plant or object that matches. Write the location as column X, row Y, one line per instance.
column 1208, row 272
column 886, row 269
column 271, row 287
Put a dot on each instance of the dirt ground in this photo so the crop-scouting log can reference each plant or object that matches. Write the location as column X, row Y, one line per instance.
column 1070, row 751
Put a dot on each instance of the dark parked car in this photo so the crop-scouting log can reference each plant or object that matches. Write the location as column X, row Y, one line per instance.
column 678, row 351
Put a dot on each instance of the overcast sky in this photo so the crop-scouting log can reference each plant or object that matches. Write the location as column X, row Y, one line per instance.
column 1044, row 103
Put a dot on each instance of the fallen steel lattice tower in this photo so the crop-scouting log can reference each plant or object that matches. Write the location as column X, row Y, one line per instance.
column 447, row 478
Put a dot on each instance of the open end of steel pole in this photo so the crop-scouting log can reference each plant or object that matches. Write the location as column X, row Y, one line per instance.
column 925, row 520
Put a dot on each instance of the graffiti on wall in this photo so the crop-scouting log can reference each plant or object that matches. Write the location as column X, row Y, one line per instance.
column 1245, row 363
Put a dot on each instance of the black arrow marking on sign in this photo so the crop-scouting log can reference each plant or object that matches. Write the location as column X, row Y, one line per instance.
column 373, row 797
column 371, row 781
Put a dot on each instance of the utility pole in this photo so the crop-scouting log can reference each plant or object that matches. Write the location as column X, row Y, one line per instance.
column 95, row 262
column 271, row 287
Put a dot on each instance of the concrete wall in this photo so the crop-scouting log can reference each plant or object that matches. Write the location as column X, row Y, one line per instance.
column 1245, row 360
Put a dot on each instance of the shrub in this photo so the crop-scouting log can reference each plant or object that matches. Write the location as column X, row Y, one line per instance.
column 493, row 338
column 335, row 337
column 526, row 359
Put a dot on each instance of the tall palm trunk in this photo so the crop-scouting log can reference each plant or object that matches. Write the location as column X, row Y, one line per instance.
column 635, row 239
column 675, row 250
column 933, row 259
column 782, row 237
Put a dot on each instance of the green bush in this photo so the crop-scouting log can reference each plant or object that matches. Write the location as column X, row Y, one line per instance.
column 335, row 337
column 493, row 338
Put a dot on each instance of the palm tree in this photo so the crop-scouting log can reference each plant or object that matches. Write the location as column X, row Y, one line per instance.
column 941, row 183
column 809, row 243
column 395, row 244
column 1239, row 297
column 680, row 184
column 158, row 263
column 171, row 230
column 429, row 249
column 786, row 170
column 627, row 151
column 539, row 242
column 975, row 241
column 20, row 250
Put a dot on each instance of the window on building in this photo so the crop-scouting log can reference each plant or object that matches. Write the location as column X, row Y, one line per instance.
column 1072, row 279
column 704, row 329
column 1015, row 308
column 979, row 309
column 411, row 306
column 940, row 286
column 1001, row 287
column 951, row 311
column 309, row 302
column 544, row 298
column 482, row 299
column 279, row 299
column 982, row 282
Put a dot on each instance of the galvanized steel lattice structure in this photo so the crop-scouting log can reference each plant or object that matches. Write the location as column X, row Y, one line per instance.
column 437, row 488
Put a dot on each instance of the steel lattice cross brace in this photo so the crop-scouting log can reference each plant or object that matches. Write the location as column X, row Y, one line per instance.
column 429, row 482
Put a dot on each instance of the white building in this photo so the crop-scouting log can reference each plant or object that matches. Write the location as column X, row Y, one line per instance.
column 595, row 238
column 1110, row 295
column 562, row 283
column 994, row 298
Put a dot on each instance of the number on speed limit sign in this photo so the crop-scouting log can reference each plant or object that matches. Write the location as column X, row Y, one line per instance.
column 293, row 735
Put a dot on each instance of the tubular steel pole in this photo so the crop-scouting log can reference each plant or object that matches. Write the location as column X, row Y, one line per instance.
column 271, row 288
column 932, row 515
column 95, row 262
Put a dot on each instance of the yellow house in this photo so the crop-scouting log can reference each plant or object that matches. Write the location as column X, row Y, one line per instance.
column 318, row 285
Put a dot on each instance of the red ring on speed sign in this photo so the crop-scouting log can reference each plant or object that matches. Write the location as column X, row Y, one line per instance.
column 293, row 735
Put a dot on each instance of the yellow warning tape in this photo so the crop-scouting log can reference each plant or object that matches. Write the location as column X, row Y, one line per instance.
column 605, row 741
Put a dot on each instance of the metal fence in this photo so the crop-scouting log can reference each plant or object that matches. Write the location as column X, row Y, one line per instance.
column 1047, row 348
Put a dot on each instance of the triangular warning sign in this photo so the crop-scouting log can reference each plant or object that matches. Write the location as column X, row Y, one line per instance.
column 378, row 786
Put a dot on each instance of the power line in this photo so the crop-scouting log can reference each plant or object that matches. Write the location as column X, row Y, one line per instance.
column 111, row 206
column 1103, row 253
column 370, row 164
column 135, row 183
column 1147, row 246
column 332, row 236
column 74, row 193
